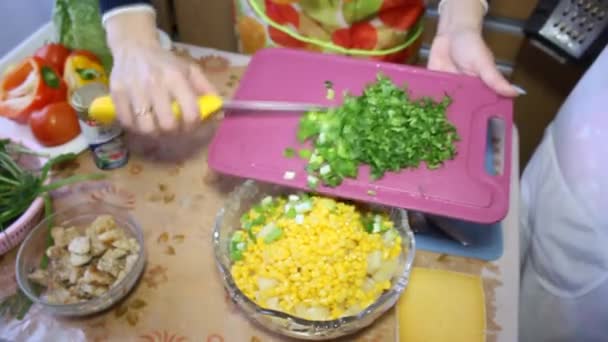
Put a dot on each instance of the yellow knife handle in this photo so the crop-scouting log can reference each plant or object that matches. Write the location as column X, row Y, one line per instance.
column 102, row 109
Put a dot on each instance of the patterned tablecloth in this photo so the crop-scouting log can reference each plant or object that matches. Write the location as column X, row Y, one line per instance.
column 180, row 297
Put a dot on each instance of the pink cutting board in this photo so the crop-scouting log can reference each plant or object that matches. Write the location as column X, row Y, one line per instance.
column 251, row 144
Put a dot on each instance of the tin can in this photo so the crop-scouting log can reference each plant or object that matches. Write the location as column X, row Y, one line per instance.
column 106, row 142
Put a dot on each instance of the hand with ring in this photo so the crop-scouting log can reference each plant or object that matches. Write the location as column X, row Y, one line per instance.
column 146, row 78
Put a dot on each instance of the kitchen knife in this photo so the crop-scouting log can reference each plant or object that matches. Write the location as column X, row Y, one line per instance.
column 103, row 111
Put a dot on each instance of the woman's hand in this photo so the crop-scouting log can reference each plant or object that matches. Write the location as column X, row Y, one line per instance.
column 146, row 79
column 459, row 47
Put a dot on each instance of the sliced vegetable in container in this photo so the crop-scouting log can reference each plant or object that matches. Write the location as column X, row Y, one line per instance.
column 276, row 263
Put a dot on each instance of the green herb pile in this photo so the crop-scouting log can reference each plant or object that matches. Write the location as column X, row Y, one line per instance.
column 78, row 25
column 20, row 187
column 383, row 128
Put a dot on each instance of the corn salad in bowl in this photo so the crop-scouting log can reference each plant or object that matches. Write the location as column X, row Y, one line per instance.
column 309, row 266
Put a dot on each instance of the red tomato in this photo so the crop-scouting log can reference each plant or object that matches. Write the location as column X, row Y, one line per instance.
column 55, row 124
column 54, row 54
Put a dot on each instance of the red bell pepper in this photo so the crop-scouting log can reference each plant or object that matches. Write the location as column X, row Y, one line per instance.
column 29, row 87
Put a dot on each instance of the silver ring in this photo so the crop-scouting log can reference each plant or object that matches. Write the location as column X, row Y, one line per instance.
column 144, row 111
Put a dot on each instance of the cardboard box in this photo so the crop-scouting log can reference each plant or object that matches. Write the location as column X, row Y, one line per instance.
column 512, row 9
column 509, row 9
column 208, row 23
column 164, row 15
column 504, row 45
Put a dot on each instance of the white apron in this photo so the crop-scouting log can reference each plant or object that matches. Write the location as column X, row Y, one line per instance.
column 564, row 221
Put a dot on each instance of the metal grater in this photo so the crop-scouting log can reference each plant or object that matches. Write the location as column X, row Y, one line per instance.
column 575, row 24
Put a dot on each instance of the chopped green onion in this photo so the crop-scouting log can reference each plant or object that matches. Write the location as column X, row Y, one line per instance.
column 305, row 153
column 270, row 233
column 303, row 207
column 267, row 201
column 291, row 213
column 389, row 236
column 237, row 245
column 325, row 169
column 383, row 128
column 258, row 220
column 289, row 175
column 313, row 182
column 289, row 152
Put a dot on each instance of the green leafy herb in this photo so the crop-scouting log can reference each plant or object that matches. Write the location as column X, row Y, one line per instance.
column 50, row 77
column 305, row 153
column 20, row 187
column 383, row 128
column 289, row 152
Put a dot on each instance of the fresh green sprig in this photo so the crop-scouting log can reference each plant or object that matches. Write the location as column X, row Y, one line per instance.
column 20, row 187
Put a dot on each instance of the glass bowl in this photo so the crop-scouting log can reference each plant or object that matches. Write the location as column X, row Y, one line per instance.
column 34, row 246
column 227, row 221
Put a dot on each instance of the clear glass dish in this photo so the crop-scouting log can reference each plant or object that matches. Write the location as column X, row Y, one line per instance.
column 34, row 246
column 228, row 220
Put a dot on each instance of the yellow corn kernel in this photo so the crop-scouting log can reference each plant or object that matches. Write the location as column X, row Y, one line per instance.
column 322, row 262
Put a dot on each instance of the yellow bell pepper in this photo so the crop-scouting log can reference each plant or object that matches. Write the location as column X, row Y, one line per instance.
column 82, row 68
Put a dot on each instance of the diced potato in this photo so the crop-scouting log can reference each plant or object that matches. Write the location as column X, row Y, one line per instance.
column 386, row 271
column 265, row 284
column 318, row 313
column 368, row 285
column 273, row 303
column 301, row 310
column 374, row 261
